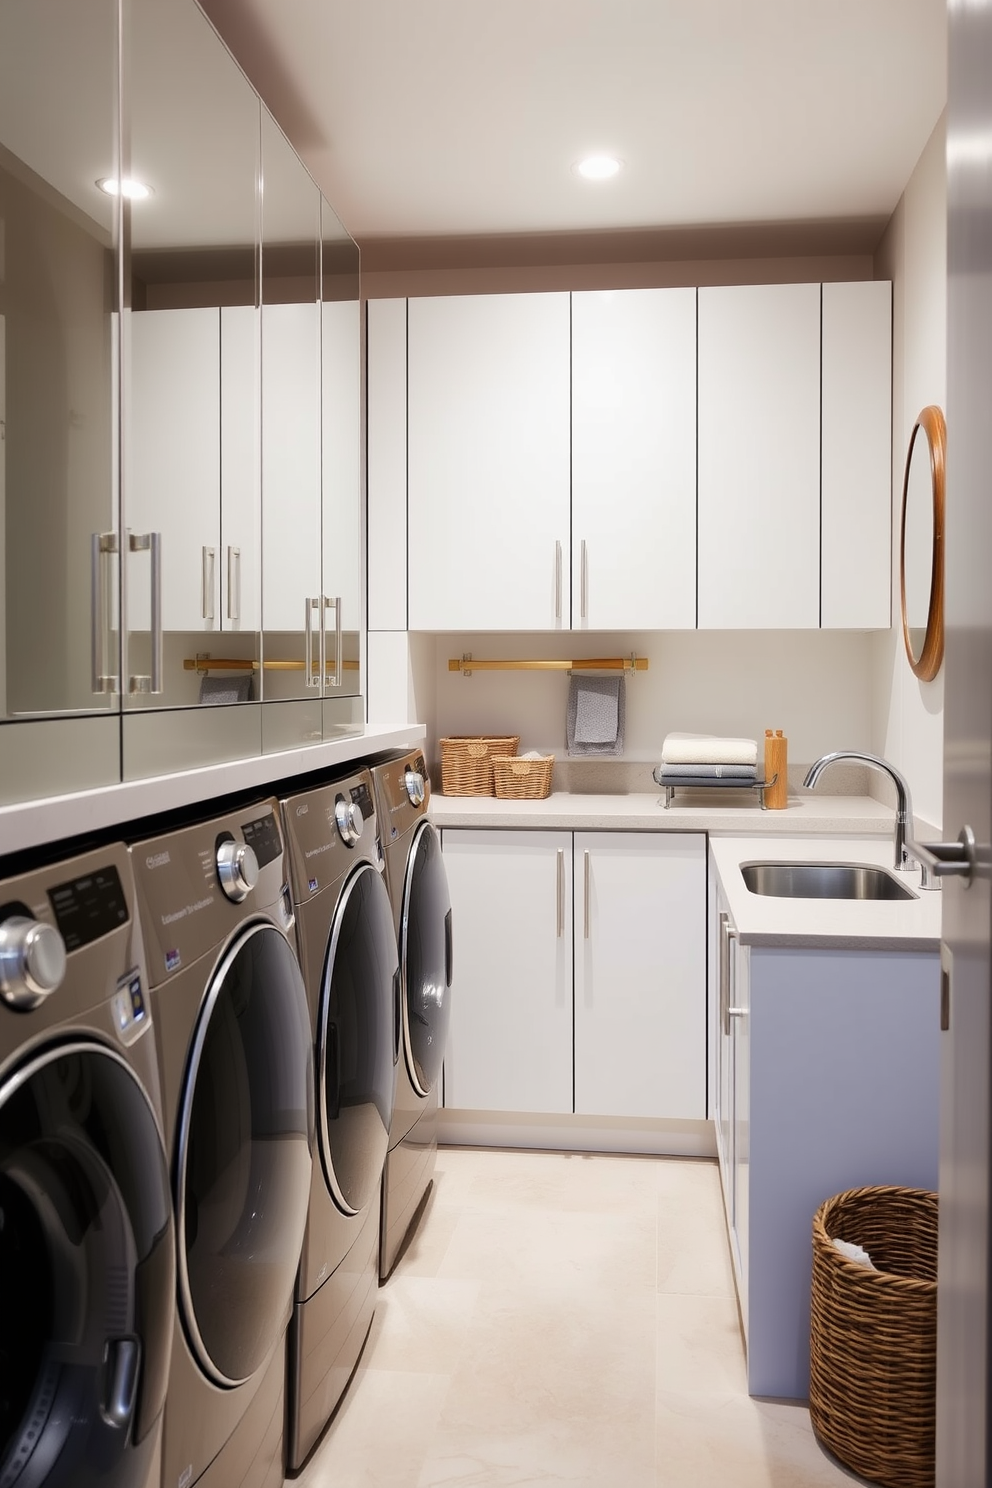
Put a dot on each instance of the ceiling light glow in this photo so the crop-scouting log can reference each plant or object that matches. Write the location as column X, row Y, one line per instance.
column 133, row 190
column 597, row 167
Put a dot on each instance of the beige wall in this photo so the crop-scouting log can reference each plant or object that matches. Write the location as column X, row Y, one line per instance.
column 908, row 715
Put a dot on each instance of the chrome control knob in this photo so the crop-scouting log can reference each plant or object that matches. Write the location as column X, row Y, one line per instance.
column 349, row 820
column 416, row 786
column 32, row 961
column 237, row 870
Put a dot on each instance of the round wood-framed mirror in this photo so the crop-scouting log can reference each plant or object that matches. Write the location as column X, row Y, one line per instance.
column 921, row 549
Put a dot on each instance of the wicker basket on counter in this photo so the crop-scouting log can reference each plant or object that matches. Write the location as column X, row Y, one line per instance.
column 467, row 762
column 873, row 1334
column 522, row 779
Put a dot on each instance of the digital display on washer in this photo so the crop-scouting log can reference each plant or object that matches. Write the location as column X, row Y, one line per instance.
column 362, row 797
column 89, row 907
column 262, row 836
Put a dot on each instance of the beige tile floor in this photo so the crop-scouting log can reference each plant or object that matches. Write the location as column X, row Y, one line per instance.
column 564, row 1319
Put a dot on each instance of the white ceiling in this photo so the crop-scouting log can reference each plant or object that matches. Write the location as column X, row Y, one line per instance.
column 450, row 117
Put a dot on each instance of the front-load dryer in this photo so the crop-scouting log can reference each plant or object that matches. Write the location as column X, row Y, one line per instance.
column 87, row 1253
column 418, row 891
column 237, row 1088
column 348, row 954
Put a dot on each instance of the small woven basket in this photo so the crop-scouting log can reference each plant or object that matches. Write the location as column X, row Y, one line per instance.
column 873, row 1334
column 467, row 762
column 522, row 779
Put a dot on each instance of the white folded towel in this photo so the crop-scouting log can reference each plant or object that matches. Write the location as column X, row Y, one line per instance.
column 707, row 749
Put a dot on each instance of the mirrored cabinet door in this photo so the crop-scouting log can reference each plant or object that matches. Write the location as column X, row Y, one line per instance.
column 292, row 609
column 191, row 494
column 59, row 340
column 341, row 358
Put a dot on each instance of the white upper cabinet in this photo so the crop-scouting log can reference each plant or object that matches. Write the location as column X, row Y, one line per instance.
column 239, row 469
column 634, row 459
column 386, row 463
column 759, row 457
column 857, row 461
column 488, row 472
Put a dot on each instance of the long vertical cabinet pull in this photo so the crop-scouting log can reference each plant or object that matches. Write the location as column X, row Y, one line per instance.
column 585, row 896
column 103, row 545
column 727, row 935
column 583, row 580
column 560, row 894
column 233, row 583
column 151, row 543
column 208, row 578
column 312, row 677
column 557, row 580
column 335, row 605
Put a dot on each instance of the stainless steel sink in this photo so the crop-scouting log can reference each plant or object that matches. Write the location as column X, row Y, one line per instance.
column 823, row 881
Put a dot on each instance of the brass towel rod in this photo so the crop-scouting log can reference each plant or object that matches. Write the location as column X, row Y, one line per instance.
column 233, row 664
column 466, row 665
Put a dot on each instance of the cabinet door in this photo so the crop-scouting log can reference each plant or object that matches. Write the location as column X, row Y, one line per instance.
column 759, row 457
column 634, row 459
column 510, row 1039
column 857, row 458
column 640, row 974
column 173, row 464
column 723, row 1097
column 739, row 1017
column 489, row 462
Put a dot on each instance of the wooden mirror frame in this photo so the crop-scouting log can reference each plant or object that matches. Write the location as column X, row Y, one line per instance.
column 928, row 663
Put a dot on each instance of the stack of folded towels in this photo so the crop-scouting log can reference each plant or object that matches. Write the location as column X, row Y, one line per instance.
column 702, row 759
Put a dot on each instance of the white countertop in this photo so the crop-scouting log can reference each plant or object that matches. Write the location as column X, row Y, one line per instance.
column 825, row 924
column 32, row 822
column 807, row 815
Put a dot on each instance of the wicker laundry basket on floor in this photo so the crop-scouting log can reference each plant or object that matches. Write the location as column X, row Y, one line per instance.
column 873, row 1334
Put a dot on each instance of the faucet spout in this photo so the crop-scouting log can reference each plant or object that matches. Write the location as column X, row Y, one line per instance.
column 904, row 803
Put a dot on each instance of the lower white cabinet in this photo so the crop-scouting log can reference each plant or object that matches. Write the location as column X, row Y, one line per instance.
column 580, row 971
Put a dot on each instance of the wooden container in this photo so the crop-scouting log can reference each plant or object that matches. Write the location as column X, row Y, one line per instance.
column 522, row 779
column 467, row 762
column 777, row 763
column 873, row 1334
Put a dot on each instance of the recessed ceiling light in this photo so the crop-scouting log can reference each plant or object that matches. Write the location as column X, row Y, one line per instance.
column 133, row 190
column 597, row 167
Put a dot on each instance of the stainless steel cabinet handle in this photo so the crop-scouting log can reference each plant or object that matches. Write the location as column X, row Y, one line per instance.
column 583, row 580
column 233, row 583
column 151, row 543
column 335, row 605
column 208, row 576
column 585, row 896
column 560, row 894
column 102, row 546
column 727, row 934
column 557, row 580
column 736, row 1012
column 960, row 859
column 312, row 679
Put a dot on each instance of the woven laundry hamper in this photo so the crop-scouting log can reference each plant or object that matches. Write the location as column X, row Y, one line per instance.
column 522, row 779
column 467, row 762
column 873, row 1334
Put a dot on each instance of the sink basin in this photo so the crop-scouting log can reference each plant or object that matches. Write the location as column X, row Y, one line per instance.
column 823, row 881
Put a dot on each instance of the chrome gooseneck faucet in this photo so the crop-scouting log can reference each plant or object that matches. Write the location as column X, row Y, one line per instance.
column 904, row 803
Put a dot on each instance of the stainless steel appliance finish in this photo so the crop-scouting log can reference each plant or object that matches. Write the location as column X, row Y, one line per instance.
column 904, row 802
column 418, row 892
column 347, row 950
column 87, row 1243
column 237, row 1086
column 823, row 881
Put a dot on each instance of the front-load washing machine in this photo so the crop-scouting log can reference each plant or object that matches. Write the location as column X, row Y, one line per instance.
column 87, row 1252
column 348, row 954
column 418, row 891
column 237, row 1089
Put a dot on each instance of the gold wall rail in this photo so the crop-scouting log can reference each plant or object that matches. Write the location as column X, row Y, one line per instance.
column 233, row 664
column 632, row 663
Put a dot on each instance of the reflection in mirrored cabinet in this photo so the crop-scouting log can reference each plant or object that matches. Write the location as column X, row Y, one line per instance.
column 59, row 540
column 191, row 487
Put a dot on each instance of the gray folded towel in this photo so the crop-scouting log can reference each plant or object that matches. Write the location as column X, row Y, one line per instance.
column 683, row 774
column 219, row 690
column 594, row 718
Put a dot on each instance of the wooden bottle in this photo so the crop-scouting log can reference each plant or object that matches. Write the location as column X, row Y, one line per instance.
column 777, row 763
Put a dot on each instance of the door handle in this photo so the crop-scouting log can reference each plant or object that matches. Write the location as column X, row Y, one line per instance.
column 560, row 893
column 335, row 605
column 312, row 677
column 727, row 934
column 585, row 896
column 103, row 545
column 961, row 859
column 151, row 543
column 583, row 580
column 208, row 576
column 557, row 580
column 233, row 583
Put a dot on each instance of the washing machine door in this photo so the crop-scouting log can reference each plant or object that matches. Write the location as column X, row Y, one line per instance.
column 87, row 1271
column 242, row 1172
column 425, row 959
column 359, row 1005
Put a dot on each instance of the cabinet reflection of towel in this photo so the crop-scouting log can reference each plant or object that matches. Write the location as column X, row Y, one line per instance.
column 594, row 719
column 220, row 690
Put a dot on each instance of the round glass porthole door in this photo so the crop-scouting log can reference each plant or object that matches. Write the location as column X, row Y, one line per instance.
column 87, row 1271
column 425, row 933
column 359, row 1006
column 243, row 1156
